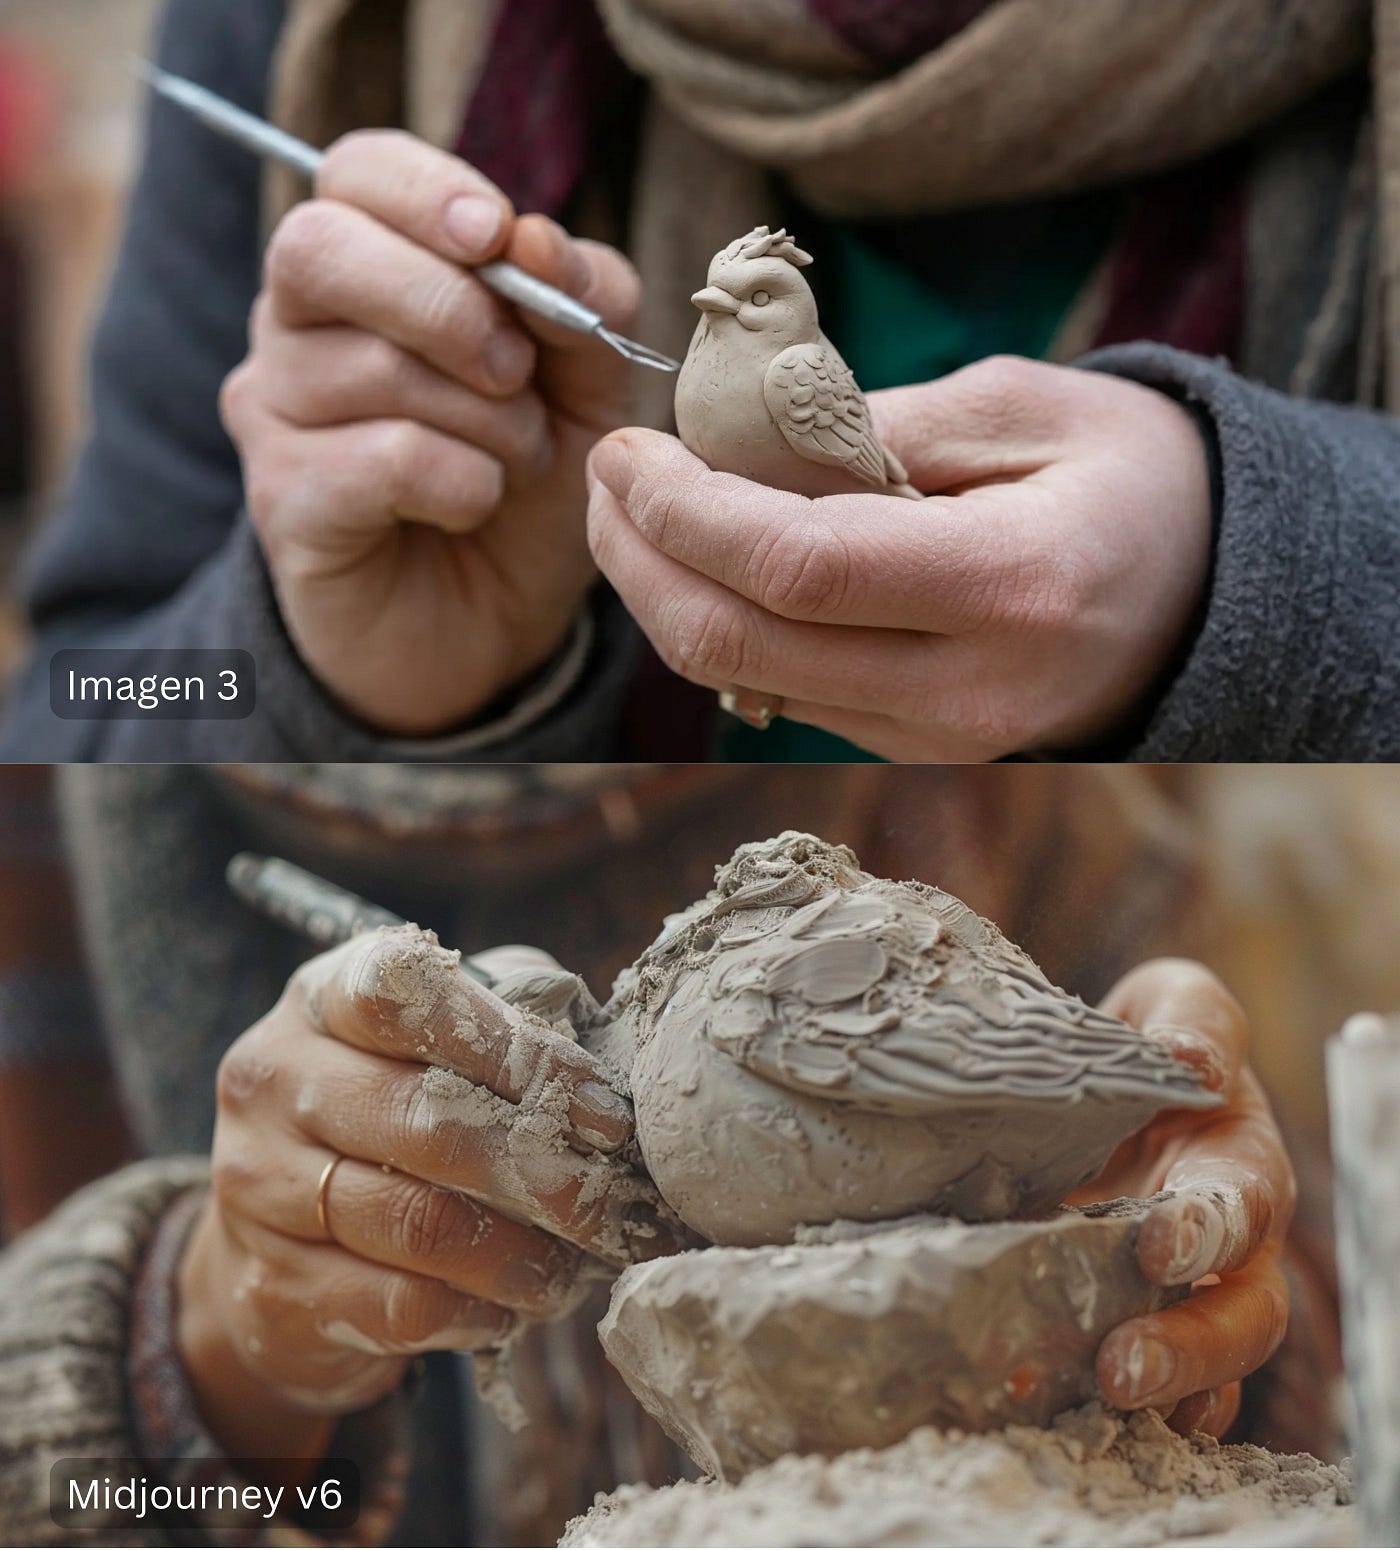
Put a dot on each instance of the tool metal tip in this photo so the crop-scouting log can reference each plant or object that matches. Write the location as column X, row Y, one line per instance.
column 642, row 354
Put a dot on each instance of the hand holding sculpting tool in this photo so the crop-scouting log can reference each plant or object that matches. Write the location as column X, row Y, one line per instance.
column 507, row 280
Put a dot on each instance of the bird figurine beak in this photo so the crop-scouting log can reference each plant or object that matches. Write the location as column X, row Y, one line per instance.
column 713, row 299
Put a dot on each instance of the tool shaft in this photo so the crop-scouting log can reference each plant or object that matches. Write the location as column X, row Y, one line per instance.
column 264, row 139
column 320, row 911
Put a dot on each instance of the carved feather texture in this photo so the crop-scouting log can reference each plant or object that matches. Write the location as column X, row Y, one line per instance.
column 819, row 407
column 892, row 997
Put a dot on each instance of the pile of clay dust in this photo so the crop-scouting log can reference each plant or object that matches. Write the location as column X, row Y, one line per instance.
column 1093, row 1478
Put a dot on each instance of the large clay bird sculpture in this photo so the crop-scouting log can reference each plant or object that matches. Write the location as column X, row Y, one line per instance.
column 811, row 1043
column 764, row 393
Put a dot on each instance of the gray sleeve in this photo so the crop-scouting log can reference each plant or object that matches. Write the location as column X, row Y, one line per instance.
column 1296, row 655
column 150, row 549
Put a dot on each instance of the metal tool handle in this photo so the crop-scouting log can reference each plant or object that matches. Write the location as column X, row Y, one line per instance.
column 264, row 139
column 314, row 908
column 526, row 291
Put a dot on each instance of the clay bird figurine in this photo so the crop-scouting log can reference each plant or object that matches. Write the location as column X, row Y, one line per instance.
column 764, row 393
column 811, row 1043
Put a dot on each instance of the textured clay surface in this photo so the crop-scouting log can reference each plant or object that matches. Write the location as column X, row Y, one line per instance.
column 855, row 1336
column 810, row 1044
column 764, row 393
column 1091, row 1479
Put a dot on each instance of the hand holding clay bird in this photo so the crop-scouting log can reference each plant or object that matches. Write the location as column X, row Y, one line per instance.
column 1034, row 599
column 764, row 393
column 811, row 1043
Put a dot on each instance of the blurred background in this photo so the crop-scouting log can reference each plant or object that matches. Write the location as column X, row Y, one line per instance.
column 69, row 132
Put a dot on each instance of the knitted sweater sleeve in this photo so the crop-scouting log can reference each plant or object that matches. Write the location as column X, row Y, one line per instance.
column 66, row 1289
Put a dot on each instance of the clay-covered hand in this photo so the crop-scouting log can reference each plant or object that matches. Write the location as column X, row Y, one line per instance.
column 1032, row 602
column 413, row 446
column 1223, row 1230
column 459, row 1208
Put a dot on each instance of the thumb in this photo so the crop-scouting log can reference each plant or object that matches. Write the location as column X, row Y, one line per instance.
column 998, row 420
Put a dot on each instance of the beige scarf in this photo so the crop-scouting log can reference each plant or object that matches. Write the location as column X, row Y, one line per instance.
column 1032, row 98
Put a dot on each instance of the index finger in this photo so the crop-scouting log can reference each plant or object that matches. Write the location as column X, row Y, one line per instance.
column 436, row 199
column 938, row 565
column 396, row 992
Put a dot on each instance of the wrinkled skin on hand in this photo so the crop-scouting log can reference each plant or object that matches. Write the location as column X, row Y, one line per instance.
column 413, row 446
column 433, row 1243
column 1223, row 1231
column 1032, row 601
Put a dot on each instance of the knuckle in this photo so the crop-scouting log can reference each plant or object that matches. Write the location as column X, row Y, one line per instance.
column 993, row 722
column 1269, row 1315
column 382, row 362
column 654, row 507
column 411, row 1314
column 1004, row 382
column 424, row 1219
column 243, row 1074
column 297, row 251
column 236, row 397
column 396, row 454
column 806, row 574
column 451, row 308
column 706, row 641
column 233, row 1175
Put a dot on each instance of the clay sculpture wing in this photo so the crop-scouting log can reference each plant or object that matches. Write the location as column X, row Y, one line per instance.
column 819, row 407
column 846, row 1000
column 898, row 998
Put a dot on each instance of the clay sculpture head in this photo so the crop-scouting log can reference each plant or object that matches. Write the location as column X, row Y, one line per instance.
column 764, row 393
column 810, row 1043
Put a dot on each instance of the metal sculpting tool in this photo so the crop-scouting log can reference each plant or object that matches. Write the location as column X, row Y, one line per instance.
column 318, row 910
column 264, row 139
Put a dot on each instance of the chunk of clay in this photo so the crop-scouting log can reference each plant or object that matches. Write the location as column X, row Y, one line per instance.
column 810, row 1043
column 764, row 393
column 851, row 1338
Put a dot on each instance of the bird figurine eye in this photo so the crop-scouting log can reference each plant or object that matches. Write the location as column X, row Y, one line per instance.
column 760, row 298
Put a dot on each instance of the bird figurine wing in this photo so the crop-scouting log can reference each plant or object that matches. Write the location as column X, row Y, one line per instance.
column 817, row 403
column 851, row 1000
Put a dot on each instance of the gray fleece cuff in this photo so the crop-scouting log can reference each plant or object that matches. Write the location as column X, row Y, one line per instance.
column 1297, row 653
column 569, row 712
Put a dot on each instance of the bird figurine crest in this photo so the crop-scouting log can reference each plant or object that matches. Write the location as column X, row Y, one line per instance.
column 810, row 1042
column 763, row 392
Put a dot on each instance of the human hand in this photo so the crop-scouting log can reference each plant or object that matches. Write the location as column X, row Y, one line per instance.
column 1222, row 1231
column 1031, row 603
column 413, row 447
column 451, row 1216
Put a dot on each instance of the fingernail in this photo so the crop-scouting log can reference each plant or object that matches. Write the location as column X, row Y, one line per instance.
column 613, row 467
column 1193, row 1049
column 509, row 361
column 602, row 1117
column 473, row 222
column 1147, row 1369
column 1188, row 1248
